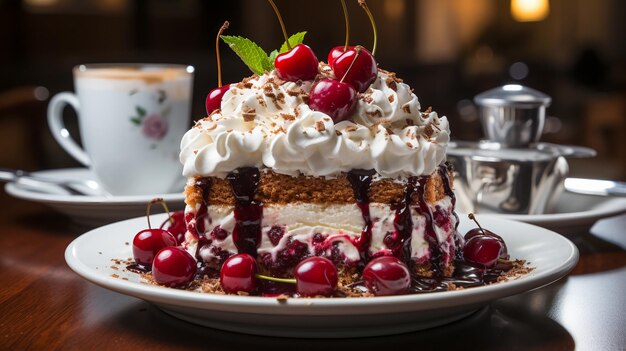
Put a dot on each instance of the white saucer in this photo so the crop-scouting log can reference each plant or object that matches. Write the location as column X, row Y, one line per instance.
column 551, row 254
column 574, row 213
column 92, row 210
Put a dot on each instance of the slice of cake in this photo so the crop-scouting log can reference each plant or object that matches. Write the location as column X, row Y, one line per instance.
column 270, row 176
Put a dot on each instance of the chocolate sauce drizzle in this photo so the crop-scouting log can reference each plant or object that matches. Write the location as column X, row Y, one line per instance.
column 244, row 183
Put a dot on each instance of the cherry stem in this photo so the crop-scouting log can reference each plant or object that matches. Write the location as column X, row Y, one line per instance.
column 358, row 52
column 363, row 4
column 157, row 200
column 282, row 24
column 217, row 52
column 278, row 280
column 473, row 218
column 345, row 16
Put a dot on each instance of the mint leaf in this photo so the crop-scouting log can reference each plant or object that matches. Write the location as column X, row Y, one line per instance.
column 272, row 57
column 294, row 40
column 250, row 53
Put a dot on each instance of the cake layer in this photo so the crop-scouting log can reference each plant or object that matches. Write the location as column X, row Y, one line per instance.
column 276, row 188
column 418, row 225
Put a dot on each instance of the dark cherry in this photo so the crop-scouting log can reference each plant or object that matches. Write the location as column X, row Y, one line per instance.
column 485, row 232
column 335, row 53
column 334, row 98
column 176, row 226
column 299, row 63
column 148, row 242
column 387, row 275
column 363, row 71
column 173, row 267
column 238, row 274
column 316, row 276
column 483, row 250
column 214, row 98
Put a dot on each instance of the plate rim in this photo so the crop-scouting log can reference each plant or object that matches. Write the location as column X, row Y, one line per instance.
column 296, row 306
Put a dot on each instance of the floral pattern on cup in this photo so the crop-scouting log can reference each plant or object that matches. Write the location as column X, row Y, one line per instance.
column 153, row 126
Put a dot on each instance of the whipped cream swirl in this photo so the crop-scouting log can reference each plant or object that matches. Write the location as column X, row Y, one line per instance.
column 265, row 122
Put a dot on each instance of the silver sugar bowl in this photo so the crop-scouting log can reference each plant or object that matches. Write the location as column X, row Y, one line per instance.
column 511, row 172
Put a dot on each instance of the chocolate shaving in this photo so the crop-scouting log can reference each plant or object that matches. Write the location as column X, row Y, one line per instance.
column 391, row 98
column 410, row 122
column 428, row 131
column 248, row 114
column 288, row 117
column 375, row 113
column 319, row 125
column 406, row 108
column 409, row 144
column 351, row 129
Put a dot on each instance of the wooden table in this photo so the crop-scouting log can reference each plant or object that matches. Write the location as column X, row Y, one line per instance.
column 45, row 306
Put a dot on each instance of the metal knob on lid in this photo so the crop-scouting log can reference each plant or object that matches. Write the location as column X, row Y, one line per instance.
column 513, row 115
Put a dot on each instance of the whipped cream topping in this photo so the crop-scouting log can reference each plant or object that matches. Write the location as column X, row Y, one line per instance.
column 265, row 122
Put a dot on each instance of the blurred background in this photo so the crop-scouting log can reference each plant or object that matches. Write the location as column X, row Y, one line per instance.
column 447, row 50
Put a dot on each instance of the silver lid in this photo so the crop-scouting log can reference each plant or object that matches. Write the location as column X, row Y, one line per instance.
column 512, row 95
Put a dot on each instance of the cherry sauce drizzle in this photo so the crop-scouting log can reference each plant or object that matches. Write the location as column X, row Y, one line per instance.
column 244, row 183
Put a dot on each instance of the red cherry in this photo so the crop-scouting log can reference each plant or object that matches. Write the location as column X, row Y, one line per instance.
column 176, row 226
column 214, row 98
column 482, row 250
column 148, row 242
column 335, row 53
column 238, row 274
column 299, row 63
column 363, row 71
column 316, row 276
column 484, row 232
column 173, row 267
column 387, row 275
column 334, row 98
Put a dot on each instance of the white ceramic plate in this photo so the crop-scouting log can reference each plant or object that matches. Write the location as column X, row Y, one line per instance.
column 553, row 256
column 574, row 213
column 92, row 210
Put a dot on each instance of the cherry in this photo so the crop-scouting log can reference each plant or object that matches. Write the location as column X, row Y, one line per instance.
column 363, row 72
column 299, row 63
column 480, row 231
column 482, row 250
column 176, row 226
column 148, row 242
column 316, row 276
column 173, row 267
column 338, row 50
column 214, row 98
column 334, row 98
column 238, row 274
column 335, row 53
column 387, row 275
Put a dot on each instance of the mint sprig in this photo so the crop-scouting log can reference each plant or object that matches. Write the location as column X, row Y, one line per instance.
column 250, row 53
column 254, row 56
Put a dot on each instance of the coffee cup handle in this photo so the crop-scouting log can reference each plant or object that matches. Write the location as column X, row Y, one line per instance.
column 57, row 126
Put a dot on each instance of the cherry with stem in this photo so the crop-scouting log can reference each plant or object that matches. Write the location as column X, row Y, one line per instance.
column 338, row 50
column 214, row 98
column 148, row 242
column 299, row 62
column 335, row 98
column 365, row 70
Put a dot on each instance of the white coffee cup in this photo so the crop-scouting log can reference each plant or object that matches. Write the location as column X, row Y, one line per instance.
column 131, row 119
